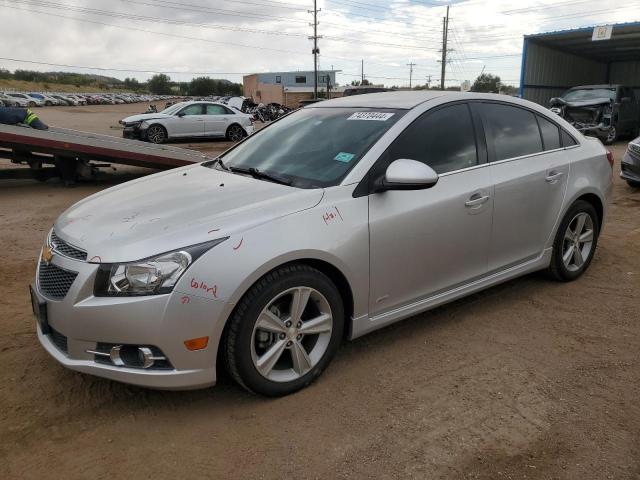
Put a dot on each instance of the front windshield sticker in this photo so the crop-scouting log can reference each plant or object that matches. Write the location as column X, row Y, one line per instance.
column 344, row 157
column 376, row 116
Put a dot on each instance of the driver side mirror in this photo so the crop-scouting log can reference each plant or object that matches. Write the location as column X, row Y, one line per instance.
column 406, row 174
column 181, row 114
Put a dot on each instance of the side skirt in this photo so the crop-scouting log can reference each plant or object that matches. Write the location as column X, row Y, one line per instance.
column 366, row 324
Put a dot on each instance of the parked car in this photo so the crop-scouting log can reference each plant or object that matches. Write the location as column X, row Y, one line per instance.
column 7, row 101
column 630, row 165
column 46, row 100
column 31, row 101
column 66, row 100
column 336, row 220
column 606, row 111
column 189, row 119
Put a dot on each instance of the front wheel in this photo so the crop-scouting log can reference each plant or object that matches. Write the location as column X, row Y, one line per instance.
column 285, row 331
column 156, row 134
column 575, row 242
column 612, row 135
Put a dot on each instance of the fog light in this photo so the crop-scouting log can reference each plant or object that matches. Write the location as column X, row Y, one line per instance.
column 196, row 343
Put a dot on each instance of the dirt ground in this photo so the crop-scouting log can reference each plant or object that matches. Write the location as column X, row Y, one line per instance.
column 531, row 379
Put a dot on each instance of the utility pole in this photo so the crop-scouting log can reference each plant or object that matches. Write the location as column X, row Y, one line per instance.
column 410, row 65
column 315, row 50
column 428, row 81
column 362, row 71
column 445, row 33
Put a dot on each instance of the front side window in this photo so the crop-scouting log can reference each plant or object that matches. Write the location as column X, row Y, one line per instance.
column 512, row 131
column 313, row 147
column 443, row 139
column 589, row 94
column 192, row 110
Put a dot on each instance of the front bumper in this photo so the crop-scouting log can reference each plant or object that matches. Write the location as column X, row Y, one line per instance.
column 163, row 321
column 630, row 167
column 132, row 132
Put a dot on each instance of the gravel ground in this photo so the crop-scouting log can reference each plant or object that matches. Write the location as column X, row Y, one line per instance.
column 531, row 379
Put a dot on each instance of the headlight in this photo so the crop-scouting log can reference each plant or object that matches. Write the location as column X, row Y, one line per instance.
column 152, row 276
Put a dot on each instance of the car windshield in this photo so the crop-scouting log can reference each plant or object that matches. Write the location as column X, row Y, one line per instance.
column 313, row 147
column 589, row 94
column 173, row 108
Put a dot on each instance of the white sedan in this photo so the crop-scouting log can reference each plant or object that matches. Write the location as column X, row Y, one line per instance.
column 189, row 119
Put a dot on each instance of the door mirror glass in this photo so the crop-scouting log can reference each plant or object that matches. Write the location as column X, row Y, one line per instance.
column 181, row 114
column 406, row 174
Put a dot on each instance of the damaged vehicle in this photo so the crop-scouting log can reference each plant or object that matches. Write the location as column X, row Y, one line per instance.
column 604, row 111
column 188, row 119
column 630, row 165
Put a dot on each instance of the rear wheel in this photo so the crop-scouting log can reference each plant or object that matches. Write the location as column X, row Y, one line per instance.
column 156, row 134
column 235, row 133
column 32, row 104
column 575, row 242
column 285, row 331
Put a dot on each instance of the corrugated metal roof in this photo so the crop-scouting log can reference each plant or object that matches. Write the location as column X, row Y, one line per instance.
column 624, row 44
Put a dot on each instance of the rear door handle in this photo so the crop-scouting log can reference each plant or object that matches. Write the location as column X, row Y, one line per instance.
column 476, row 199
column 553, row 176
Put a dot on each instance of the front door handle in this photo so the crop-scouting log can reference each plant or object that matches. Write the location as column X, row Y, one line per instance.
column 553, row 175
column 477, row 199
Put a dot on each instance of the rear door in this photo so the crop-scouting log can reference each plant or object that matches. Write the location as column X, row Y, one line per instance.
column 216, row 120
column 423, row 242
column 529, row 170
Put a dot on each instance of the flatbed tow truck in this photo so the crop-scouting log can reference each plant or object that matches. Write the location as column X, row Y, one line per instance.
column 71, row 154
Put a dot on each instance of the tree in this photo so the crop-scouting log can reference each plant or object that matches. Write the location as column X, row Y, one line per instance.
column 131, row 84
column 358, row 83
column 160, row 84
column 203, row 86
column 486, row 83
column 4, row 73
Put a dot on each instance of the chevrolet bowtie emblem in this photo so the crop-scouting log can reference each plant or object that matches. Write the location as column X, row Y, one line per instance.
column 47, row 254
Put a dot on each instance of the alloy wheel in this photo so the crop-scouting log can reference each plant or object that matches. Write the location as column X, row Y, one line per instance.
column 292, row 334
column 612, row 134
column 235, row 133
column 156, row 134
column 578, row 241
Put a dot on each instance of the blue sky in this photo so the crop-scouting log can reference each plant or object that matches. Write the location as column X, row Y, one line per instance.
column 228, row 38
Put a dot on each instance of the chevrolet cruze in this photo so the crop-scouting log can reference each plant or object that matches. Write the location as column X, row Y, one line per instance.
column 336, row 220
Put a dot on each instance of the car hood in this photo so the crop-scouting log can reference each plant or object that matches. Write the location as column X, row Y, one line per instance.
column 175, row 209
column 145, row 116
column 594, row 102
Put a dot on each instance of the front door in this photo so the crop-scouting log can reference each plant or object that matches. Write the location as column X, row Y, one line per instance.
column 529, row 171
column 428, row 241
column 189, row 122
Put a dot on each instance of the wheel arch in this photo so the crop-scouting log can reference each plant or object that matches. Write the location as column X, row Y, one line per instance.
column 226, row 133
column 154, row 123
column 328, row 268
column 597, row 204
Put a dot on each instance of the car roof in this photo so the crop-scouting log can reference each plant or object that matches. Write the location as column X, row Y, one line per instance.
column 406, row 100
column 584, row 87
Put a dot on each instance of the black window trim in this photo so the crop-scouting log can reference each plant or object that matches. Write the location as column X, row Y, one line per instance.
column 202, row 109
column 536, row 113
column 365, row 187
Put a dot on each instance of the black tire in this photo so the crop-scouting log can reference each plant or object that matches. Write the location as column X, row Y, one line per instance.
column 557, row 268
column 156, row 133
column 238, row 346
column 32, row 104
column 612, row 136
column 633, row 184
column 235, row 133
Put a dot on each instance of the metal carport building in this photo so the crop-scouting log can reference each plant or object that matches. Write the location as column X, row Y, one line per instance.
column 553, row 62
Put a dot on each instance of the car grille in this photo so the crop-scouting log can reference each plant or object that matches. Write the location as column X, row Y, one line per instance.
column 59, row 340
column 54, row 282
column 63, row 248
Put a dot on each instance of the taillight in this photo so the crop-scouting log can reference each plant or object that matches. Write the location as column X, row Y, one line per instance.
column 610, row 158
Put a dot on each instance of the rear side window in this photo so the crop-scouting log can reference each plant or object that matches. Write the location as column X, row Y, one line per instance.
column 512, row 131
column 567, row 140
column 550, row 134
column 216, row 110
column 443, row 139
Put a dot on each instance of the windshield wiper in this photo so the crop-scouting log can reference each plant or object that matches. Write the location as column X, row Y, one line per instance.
column 221, row 163
column 260, row 175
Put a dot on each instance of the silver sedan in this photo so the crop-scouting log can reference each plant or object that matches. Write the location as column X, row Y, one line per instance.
column 334, row 221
